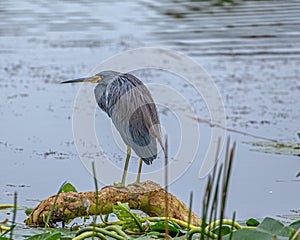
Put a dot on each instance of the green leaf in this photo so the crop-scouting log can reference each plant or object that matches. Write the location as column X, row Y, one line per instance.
column 224, row 231
column 28, row 211
column 295, row 225
column 124, row 213
column 152, row 235
column 161, row 227
column 54, row 236
column 268, row 229
column 274, row 227
column 38, row 236
column 249, row 234
column 252, row 222
column 68, row 187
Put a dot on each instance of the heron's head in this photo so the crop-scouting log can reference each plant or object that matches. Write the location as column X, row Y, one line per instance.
column 101, row 77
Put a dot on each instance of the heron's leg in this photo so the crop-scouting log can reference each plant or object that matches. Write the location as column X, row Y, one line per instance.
column 138, row 178
column 126, row 166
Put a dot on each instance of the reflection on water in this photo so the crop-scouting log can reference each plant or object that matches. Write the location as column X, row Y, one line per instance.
column 246, row 29
column 251, row 49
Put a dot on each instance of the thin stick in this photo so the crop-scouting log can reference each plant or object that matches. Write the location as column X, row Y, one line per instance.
column 53, row 205
column 96, row 196
column 166, row 186
column 210, row 205
column 214, row 207
column 232, row 226
column 211, row 124
column 214, row 204
column 226, row 161
column 225, row 184
column 205, row 204
column 190, row 210
column 14, row 215
column 96, row 190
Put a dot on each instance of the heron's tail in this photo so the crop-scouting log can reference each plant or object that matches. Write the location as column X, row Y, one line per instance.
column 149, row 160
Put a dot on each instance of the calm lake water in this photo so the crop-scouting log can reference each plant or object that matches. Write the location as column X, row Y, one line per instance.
column 250, row 49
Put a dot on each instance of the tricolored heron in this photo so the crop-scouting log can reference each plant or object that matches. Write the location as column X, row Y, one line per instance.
column 129, row 104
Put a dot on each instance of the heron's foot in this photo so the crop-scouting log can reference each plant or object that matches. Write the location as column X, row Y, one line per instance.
column 119, row 185
column 135, row 184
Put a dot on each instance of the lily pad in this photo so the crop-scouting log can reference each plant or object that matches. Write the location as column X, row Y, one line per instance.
column 272, row 226
column 268, row 229
column 286, row 148
column 249, row 234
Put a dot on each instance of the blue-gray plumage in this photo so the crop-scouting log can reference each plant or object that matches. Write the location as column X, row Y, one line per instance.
column 129, row 104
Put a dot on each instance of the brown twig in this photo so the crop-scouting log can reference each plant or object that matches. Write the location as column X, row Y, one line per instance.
column 212, row 124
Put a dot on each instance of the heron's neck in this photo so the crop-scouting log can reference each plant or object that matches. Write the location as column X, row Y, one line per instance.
column 100, row 96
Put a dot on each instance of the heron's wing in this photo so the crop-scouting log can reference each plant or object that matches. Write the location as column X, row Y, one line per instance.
column 141, row 130
column 146, row 112
column 134, row 114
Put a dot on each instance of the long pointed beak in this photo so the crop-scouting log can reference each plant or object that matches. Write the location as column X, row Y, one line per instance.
column 93, row 79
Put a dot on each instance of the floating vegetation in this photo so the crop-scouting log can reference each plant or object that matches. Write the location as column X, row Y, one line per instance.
column 285, row 148
column 294, row 216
